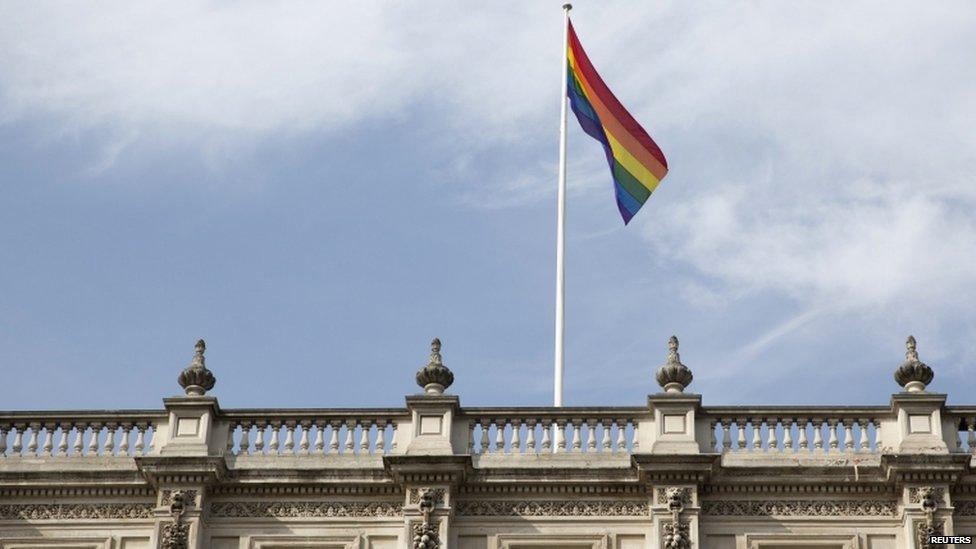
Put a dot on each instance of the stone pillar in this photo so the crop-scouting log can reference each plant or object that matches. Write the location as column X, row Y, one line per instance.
column 189, row 457
column 674, row 411
column 919, row 412
column 433, row 430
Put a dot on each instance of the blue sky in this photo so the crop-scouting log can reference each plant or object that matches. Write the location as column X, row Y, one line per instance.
column 318, row 190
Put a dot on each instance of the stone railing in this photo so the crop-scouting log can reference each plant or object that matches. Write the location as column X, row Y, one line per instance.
column 313, row 432
column 554, row 430
column 810, row 429
column 122, row 433
column 433, row 423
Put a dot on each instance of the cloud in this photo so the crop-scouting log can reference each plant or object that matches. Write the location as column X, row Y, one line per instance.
column 821, row 151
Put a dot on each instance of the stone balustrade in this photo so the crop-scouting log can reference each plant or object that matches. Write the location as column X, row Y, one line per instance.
column 79, row 434
column 554, row 430
column 790, row 430
column 313, row 432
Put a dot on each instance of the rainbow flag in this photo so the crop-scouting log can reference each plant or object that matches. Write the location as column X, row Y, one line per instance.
column 636, row 162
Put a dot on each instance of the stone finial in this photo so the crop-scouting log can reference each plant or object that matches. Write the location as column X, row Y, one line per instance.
column 913, row 374
column 435, row 377
column 196, row 379
column 674, row 376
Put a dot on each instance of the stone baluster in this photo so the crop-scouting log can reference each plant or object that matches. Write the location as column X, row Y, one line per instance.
column 957, row 443
column 773, row 443
column 274, row 445
column 576, row 438
column 96, row 431
column 802, row 435
column 485, row 444
column 303, row 442
column 109, row 447
column 832, row 432
column 740, row 426
column 393, row 437
column 636, row 444
column 865, row 442
column 605, row 443
column 970, row 437
column 231, row 428
column 32, row 441
column 259, row 437
column 591, row 435
column 560, row 436
column 530, row 446
column 244, row 445
column 334, row 436
column 18, row 444
column 3, row 441
column 365, row 426
column 818, row 434
column 124, row 443
column 712, row 438
column 500, row 435
column 140, row 444
column 727, row 435
column 381, row 437
column 546, row 439
column 289, row 447
column 621, row 435
column 756, row 435
column 77, row 444
column 471, row 426
column 848, row 435
column 48, row 439
column 350, row 444
column 63, row 439
column 788, row 435
column 320, row 436
column 516, row 436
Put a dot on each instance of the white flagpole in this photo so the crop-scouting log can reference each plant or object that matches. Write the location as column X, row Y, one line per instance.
column 561, row 217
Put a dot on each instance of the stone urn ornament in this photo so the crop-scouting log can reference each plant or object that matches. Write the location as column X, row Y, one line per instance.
column 196, row 379
column 913, row 374
column 673, row 376
column 435, row 377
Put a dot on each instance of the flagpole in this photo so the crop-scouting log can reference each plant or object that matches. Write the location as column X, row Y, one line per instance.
column 561, row 219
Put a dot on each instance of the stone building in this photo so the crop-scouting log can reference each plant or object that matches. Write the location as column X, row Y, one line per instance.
column 669, row 473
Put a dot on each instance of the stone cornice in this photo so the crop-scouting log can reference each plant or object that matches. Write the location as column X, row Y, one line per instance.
column 182, row 470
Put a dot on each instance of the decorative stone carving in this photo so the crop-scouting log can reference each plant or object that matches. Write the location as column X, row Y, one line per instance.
column 437, row 494
column 68, row 511
column 176, row 534
column 801, row 508
column 196, row 379
column 930, row 499
column 926, row 495
column 676, row 534
column 435, row 377
column 663, row 494
column 913, row 374
column 965, row 508
column 673, row 376
column 545, row 508
column 166, row 497
column 304, row 509
column 425, row 534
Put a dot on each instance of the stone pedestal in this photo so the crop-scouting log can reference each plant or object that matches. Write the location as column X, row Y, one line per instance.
column 433, row 425
column 919, row 423
column 674, row 423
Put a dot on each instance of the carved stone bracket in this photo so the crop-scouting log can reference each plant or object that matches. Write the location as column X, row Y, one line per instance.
column 176, row 534
column 676, row 534
column 929, row 498
column 425, row 534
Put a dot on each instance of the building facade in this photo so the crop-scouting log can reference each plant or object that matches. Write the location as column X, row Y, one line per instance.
column 671, row 473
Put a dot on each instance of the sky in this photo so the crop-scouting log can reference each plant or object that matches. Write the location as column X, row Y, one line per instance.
column 319, row 189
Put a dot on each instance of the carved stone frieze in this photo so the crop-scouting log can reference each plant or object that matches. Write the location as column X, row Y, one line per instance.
column 801, row 508
column 965, row 508
column 70, row 511
column 304, row 509
column 563, row 508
